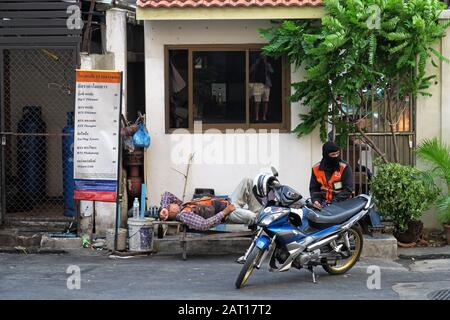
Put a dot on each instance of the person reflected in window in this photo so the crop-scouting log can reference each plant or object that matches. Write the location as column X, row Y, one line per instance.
column 260, row 85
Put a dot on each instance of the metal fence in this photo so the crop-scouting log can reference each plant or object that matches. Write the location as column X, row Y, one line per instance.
column 374, row 121
column 38, row 89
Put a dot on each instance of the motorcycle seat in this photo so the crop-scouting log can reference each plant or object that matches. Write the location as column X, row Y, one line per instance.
column 336, row 213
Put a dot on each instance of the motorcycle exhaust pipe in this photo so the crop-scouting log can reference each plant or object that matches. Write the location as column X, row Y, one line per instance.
column 322, row 243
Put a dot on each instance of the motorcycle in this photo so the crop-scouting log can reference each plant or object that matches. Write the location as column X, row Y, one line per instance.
column 293, row 233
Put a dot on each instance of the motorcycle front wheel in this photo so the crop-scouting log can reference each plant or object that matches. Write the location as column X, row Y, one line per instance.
column 252, row 260
column 356, row 244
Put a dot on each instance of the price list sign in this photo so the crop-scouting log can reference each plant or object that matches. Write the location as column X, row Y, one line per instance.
column 97, row 126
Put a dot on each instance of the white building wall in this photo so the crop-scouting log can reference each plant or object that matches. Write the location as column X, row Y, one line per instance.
column 116, row 43
column 296, row 156
column 433, row 113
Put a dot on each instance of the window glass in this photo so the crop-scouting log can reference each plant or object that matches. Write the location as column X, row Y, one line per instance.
column 224, row 88
column 178, row 89
column 265, row 89
column 219, row 86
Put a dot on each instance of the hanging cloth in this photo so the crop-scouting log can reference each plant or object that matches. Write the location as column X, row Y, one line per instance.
column 178, row 82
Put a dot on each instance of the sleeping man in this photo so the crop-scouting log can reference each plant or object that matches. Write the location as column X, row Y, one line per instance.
column 208, row 212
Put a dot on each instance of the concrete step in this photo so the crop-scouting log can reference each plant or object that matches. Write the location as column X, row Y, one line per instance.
column 378, row 246
column 424, row 253
column 382, row 246
column 36, row 225
column 13, row 238
column 54, row 243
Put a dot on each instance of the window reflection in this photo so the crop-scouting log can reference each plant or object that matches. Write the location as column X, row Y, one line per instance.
column 178, row 89
column 219, row 86
column 216, row 89
column 265, row 88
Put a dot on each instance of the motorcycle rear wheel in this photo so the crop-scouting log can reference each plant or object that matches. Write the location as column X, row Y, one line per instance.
column 356, row 244
column 252, row 260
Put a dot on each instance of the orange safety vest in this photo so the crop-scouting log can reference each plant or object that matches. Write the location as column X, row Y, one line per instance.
column 202, row 201
column 327, row 186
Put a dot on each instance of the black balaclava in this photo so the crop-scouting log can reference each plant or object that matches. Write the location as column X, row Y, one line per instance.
column 329, row 163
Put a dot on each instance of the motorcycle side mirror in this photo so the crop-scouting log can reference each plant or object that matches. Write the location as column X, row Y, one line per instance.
column 274, row 171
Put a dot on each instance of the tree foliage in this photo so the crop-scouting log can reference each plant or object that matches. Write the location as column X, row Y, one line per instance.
column 359, row 49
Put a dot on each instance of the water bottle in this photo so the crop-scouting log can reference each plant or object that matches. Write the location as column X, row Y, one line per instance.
column 136, row 208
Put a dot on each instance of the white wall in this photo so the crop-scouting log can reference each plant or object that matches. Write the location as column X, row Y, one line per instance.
column 116, row 43
column 296, row 156
column 433, row 113
column 445, row 89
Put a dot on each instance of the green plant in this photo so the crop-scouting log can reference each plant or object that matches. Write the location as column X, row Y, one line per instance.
column 401, row 193
column 437, row 154
column 364, row 54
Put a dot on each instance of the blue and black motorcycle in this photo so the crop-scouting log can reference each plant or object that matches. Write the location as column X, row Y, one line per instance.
column 292, row 233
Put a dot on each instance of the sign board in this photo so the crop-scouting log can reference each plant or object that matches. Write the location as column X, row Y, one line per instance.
column 97, row 125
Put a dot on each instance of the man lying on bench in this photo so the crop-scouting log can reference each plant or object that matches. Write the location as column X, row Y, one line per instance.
column 207, row 212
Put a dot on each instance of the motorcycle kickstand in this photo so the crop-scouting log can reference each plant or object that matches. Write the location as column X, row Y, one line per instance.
column 311, row 269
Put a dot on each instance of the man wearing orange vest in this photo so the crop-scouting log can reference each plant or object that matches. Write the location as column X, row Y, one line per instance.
column 331, row 178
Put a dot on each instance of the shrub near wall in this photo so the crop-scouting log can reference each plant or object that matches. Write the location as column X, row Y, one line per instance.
column 401, row 193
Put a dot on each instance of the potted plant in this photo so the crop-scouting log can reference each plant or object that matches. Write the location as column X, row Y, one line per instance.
column 401, row 195
column 444, row 217
column 437, row 154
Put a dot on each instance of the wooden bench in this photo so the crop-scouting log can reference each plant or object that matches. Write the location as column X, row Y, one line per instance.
column 173, row 227
column 185, row 236
column 208, row 235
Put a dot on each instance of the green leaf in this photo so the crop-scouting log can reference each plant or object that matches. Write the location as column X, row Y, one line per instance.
column 399, row 47
column 439, row 55
column 398, row 36
column 390, row 24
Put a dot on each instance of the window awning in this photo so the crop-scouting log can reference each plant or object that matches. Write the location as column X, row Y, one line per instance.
column 228, row 9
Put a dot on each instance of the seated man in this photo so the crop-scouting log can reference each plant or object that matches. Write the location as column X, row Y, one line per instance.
column 208, row 212
column 331, row 178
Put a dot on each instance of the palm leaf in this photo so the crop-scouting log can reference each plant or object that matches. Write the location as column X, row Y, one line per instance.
column 438, row 154
column 443, row 206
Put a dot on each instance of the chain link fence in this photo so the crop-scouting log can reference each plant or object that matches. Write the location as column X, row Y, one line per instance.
column 39, row 90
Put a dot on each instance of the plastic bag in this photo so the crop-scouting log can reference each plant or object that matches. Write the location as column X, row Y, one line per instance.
column 141, row 138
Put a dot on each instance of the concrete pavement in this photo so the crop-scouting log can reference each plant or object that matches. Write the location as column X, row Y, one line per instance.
column 39, row 276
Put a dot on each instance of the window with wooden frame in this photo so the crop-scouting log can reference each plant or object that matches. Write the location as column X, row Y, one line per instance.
column 225, row 87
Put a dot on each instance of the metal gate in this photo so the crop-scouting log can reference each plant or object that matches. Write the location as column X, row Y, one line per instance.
column 373, row 120
column 37, row 92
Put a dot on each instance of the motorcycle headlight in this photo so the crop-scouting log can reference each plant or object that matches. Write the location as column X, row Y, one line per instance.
column 266, row 220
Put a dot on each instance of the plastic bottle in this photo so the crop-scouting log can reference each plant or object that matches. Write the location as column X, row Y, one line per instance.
column 136, row 208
